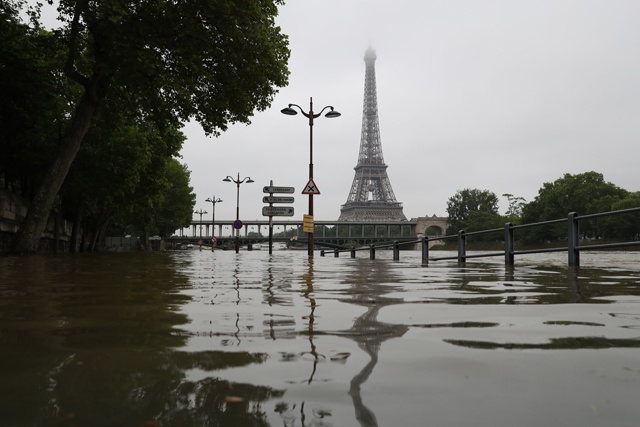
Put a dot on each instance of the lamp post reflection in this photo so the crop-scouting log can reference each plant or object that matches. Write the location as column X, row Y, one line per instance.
column 308, row 294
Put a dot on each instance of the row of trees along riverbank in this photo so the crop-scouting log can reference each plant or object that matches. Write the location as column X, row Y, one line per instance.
column 91, row 112
column 585, row 193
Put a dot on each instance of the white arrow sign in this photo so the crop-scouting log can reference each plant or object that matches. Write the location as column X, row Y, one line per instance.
column 276, row 199
column 272, row 189
column 277, row 211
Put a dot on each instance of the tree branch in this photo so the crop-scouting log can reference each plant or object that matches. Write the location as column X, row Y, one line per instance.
column 69, row 66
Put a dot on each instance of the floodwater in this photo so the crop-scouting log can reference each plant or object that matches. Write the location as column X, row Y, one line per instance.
column 195, row 338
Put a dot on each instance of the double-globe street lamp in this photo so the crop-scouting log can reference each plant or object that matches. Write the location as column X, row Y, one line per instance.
column 213, row 201
column 200, row 212
column 237, row 224
column 289, row 111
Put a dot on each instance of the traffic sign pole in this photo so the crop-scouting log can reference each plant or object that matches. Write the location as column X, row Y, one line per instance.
column 272, row 211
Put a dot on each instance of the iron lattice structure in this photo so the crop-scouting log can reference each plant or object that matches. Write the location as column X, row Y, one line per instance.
column 371, row 197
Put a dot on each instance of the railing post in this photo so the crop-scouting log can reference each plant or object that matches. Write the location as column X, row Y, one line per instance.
column 462, row 247
column 508, row 244
column 353, row 253
column 425, row 250
column 573, row 234
column 372, row 252
column 396, row 251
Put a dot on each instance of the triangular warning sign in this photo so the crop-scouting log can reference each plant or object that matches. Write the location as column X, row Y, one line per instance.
column 310, row 188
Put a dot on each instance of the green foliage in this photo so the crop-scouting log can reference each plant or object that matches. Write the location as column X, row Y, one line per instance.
column 215, row 61
column 32, row 110
column 157, row 65
column 175, row 210
column 585, row 193
column 627, row 226
column 161, row 203
column 473, row 210
column 514, row 211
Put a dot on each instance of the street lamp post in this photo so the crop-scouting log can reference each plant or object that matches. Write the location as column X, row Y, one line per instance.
column 310, row 115
column 213, row 201
column 237, row 224
column 201, row 212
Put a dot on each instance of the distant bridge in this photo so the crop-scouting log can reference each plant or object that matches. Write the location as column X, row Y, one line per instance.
column 337, row 234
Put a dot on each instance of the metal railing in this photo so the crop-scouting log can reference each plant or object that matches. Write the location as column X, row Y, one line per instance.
column 573, row 247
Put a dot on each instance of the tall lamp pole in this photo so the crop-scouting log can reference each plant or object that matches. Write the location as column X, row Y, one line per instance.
column 213, row 201
column 238, row 224
column 289, row 111
column 201, row 212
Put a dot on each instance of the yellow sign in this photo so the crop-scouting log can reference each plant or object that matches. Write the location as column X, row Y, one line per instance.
column 307, row 224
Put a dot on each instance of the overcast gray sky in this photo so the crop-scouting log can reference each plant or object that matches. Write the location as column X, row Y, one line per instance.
column 499, row 95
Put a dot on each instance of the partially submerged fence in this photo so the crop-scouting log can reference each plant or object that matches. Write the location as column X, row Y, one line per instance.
column 573, row 247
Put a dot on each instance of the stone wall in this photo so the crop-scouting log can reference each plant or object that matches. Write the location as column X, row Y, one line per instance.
column 13, row 209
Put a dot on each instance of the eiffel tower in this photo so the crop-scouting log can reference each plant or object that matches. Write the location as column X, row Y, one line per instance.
column 371, row 197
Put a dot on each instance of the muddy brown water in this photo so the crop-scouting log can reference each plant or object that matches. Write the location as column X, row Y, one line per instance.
column 194, row 338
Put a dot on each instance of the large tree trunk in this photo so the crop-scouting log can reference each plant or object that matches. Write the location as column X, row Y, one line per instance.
column 28, row 236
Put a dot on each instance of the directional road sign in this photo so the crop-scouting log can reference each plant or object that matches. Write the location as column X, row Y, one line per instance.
column 276, row 199
column 273, row 189
column 277, row 210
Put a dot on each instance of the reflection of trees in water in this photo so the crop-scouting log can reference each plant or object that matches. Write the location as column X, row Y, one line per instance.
column 211, row 401
column 568, row 343
column 96, row 348
column 151, row 387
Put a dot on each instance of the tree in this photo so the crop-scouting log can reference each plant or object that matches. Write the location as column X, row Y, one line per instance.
column 161, row 203
column 176, row 209
column 472, row 210
column 126, row 173
column 215, row 61
column 514, row 211
column 31, row 109
column 584, row 193
column 625, row 226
